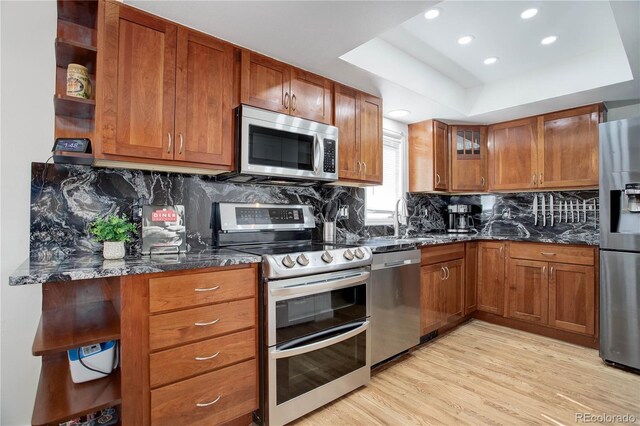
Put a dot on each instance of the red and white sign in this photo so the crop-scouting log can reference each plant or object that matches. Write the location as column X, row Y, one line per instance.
column 164, row 216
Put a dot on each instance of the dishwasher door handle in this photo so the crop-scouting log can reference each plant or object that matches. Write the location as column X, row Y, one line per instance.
column 395, row 264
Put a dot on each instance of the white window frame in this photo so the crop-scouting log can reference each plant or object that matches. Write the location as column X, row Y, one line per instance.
column 391, row 137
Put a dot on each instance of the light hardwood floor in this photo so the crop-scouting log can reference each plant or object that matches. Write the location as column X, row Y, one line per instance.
column 487, row 374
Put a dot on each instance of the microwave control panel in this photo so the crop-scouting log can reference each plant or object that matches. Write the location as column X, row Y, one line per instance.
column 329, row 156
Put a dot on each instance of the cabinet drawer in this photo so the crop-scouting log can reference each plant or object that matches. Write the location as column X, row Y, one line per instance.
column 199, row 323
column 439, row 254
column 185, row 361
column 234, row 388
column 553, row 253
column 183, row 291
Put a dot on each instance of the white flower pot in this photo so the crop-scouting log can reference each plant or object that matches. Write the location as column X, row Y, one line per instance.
column 113, row 250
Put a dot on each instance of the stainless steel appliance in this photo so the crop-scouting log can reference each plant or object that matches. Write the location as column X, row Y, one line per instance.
column 620, row 242
column 276, row 147
column 395, row 303
column 460, row 220
column 315, row 307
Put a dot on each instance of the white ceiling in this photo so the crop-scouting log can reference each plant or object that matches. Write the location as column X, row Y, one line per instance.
column 388, row 48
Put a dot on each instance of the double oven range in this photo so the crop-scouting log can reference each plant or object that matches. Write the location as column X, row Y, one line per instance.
column 315, row 305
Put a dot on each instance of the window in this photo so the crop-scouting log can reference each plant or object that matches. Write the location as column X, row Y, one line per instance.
column 381, row 200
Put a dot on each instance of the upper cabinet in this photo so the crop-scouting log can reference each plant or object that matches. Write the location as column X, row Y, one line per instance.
column 358, row 117
column 468, row 158
column 568, row 148
column 428, row 156
column 167, row 93
column 276, row 86
column 513, row 155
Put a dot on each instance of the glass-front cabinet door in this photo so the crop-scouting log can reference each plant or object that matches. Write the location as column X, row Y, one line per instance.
column 468, row 158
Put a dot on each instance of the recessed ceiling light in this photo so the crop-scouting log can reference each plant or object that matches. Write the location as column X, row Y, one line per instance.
column 397, row 113
column 491, row 60
column 432, row 13
column 549, row 40
column 466, row 39
column 529, row 13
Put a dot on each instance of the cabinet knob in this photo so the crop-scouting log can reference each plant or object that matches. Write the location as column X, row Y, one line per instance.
column 540, row 178
column 437, row 179
column 181, row 143
column 286, row 100
column 359, row 166
column 293, row 102
column 365, row 167
column 170, row 143
column 533, row 178
column 482, row 181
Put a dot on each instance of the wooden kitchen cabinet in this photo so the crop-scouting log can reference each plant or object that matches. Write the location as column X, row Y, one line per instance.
column 428, row 156
column 358, row 117
column 471, row 277
column 572, row 297
column 276, row 86
column 528, row 291
column 491, row 277
column 468, row 158
column 568, row 148
column 513, row 155
column 441, row 286
column 167, row 93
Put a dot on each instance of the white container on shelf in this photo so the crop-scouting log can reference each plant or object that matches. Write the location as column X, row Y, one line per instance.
column 99, row 361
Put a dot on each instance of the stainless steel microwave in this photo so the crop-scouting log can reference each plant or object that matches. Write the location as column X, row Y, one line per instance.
column 277, row 147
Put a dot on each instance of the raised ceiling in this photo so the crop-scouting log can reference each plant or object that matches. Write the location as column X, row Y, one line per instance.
column 388, row 48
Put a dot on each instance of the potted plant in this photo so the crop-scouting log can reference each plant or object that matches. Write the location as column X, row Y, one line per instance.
column 113, row 230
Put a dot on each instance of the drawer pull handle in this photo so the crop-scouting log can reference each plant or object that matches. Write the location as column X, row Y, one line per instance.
column 206, row 404
column 200, row 324
column 546, row 253
column 204, row 358
column 208, row 289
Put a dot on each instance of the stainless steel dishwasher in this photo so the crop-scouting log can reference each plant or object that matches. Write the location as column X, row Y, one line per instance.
column 395, row 303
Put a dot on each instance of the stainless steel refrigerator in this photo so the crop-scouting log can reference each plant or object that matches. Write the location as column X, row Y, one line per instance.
column 620, row 242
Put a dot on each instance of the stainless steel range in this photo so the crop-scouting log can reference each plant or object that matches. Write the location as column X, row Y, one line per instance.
column 315, row 307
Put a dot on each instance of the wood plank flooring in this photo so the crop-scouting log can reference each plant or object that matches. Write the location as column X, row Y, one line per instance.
column 483, row 373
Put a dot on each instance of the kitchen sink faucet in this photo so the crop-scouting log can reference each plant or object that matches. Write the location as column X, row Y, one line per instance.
column 401, row 217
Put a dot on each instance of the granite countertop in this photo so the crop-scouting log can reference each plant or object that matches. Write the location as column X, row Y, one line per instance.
column 94, row 266
column 383, row 244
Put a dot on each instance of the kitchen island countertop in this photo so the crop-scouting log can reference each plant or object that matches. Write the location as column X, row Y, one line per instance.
column 37, row 271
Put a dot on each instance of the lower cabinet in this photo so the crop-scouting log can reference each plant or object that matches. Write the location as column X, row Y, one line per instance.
column 528, row 291
column 442, row 287
column 491, row 276
column 572, row 298
column 471, row 277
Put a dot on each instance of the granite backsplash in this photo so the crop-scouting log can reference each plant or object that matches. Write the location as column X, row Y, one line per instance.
column 65, row 199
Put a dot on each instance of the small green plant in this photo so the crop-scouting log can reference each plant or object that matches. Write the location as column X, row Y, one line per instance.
column 112, row 228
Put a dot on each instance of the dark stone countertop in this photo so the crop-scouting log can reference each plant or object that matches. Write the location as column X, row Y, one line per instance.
column 384, row 244
column 72, row 268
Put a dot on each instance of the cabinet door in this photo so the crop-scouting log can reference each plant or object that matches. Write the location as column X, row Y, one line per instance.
column 310, row 96
column 528, row 291
column 513, row 155
column 138, row 85
column 491, row 277
column 371, row 138
column 468, row 158
column 265, row 82
column 421, row 157
column 204, row 114
column 347, row 120
column 471, row 277
column 431, row 297
column 568, row 148
column 572, row 298
column 454, row 291
column 441, row 156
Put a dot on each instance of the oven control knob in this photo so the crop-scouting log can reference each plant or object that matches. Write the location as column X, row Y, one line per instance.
column 326, row 256
column 348, row 254
column 288, row 262
column 303, row 260
column 359, row 253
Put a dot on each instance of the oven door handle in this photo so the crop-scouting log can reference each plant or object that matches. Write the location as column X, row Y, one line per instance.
column 324, row 285
column 359, row 328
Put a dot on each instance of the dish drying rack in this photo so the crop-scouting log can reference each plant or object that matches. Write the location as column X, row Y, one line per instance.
column 549, row 212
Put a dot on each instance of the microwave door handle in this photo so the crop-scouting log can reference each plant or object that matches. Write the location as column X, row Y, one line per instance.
column 359, row 328
column 317, row 153
column 333, row 284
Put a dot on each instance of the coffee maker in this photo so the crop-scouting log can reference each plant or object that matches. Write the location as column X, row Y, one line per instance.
column 460, row 220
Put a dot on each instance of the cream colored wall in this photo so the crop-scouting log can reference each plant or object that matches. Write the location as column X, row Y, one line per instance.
column 27, row 33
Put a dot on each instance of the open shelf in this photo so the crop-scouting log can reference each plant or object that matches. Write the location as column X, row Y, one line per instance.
column 74, row 107
column 80, row 12
column 75, row 326
column 72, row 52
column 59, row 399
